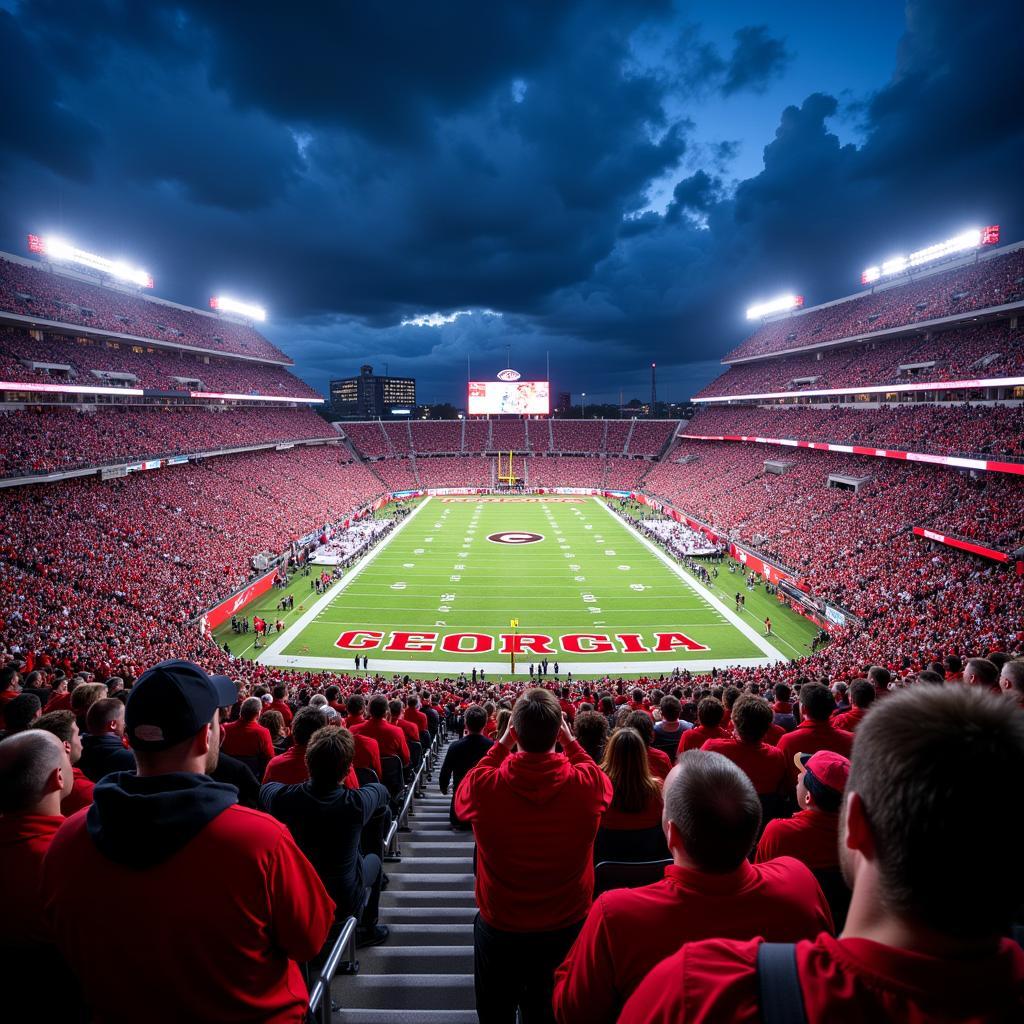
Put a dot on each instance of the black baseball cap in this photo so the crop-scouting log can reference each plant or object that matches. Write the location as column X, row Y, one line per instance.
column 171, row 702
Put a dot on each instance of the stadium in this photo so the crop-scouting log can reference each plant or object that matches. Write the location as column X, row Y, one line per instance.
column 520, row 715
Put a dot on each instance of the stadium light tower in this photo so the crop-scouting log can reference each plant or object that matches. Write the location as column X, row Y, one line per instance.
column 225, row 304
column 62, row 251
column 975, row 238
column 583, row 413
column 780, row 304
column 654, row 387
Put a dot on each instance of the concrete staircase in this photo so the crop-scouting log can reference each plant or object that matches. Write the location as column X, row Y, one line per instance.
column 424, row 973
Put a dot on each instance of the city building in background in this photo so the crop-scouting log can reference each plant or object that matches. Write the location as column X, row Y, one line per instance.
column 370, row 396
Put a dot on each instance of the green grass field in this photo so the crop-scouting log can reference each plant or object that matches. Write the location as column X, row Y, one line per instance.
column 438, row 596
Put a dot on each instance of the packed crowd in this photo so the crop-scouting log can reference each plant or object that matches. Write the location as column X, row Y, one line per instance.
column 147, row 367
column 986, row 431
column 36, row 292
column 966, row 352
column 638, row 848
column 990, row 282
column 50, row 438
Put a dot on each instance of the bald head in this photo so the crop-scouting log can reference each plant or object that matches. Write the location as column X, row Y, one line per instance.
column 33, row 766
column 1011, row 678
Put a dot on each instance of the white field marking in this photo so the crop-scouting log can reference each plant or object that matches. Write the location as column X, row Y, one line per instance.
column 577, row 668
column 298, row 627
column 761, row 643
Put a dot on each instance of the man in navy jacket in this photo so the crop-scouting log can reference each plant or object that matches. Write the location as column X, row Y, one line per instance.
column 463, row 755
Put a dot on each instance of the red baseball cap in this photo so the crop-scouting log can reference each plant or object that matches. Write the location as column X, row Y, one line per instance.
column 825, row 777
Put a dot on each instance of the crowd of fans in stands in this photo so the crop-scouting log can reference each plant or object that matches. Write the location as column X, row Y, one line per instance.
column 148, row 367
column 35, row 292
column 965, row 352
column 829, row 818
column 50, row 438
column 981, row 285
column 986, row 431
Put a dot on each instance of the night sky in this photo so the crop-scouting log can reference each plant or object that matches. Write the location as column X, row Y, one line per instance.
column 608, row 181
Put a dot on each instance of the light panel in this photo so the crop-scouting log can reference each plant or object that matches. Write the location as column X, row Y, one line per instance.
column 777, row 305
column 965, row 241
column 56, row 248
column 225, row 304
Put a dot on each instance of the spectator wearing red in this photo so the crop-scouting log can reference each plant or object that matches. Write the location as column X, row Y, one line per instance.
column 176, row 847
column 60, row 698
column 935, row 778
column 62, row 724
column 660, row 763
column 710, row 713
column 390, row 739
column 783, row 710
column 631, row 826
column 9, row 688
column 35, row 777
column 880, row 677
column 355, row 709
column 247, row 740
column 812, row 834
column 763, row 764
column 414, row 715
column 412, row 733
column 862, row 695
column 290, row 767
column 712, row 816
column 535, row 814
column 280, row 704
column 367, row 754
column 816, row 731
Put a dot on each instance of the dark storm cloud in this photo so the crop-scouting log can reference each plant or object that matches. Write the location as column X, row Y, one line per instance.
column 352, row 165
column 756, row 60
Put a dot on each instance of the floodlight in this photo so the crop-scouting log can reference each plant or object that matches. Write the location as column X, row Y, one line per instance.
column 60, row 249
column 224, row 304
column 776, row 305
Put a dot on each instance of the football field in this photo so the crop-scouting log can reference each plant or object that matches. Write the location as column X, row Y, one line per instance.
column 482, row 581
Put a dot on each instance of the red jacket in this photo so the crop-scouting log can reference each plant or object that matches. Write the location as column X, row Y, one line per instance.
column 695, row 738
column 809, row 737
column 764, row 764
column 811, row 836
column 843, row 981
column 390, row 739
column 237, row 906
column 24, row 840
column 290, row 768
column 534, row 817
column 247, row 739
column 80, row 795
column 58, row 702
column 628, row 931
column 412, row 734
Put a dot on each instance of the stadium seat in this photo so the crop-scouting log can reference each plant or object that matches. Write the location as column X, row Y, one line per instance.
column 641, row 844
column 628, row 874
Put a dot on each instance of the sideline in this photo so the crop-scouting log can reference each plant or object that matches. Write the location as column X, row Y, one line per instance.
column 272, row 655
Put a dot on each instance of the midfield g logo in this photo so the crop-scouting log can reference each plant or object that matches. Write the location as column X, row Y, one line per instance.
column 514, row 537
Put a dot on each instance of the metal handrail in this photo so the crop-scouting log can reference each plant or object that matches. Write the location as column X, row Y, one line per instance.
column 320, row 1008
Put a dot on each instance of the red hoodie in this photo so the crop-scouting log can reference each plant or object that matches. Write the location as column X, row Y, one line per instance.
column 535, row 817
column 24, row 840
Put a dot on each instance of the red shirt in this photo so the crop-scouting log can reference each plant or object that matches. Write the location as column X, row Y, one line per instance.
column 812, row 836
column 367, row 753
column 5, row 698
column 659, row 762
column 534, row 817
column 695, row 738
column 58, row 702
column 390, row 739
column 774, row 734
column 290, row 768
column 24, row 840
column 844, row 981
column 809, row 737
column 418, row 719
column 282, row 707
column 80, row 795
column 412, row 734
column 238, row 905
column 849, row 720
column 628, row 931
column 764, row 764
column 247, row 739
